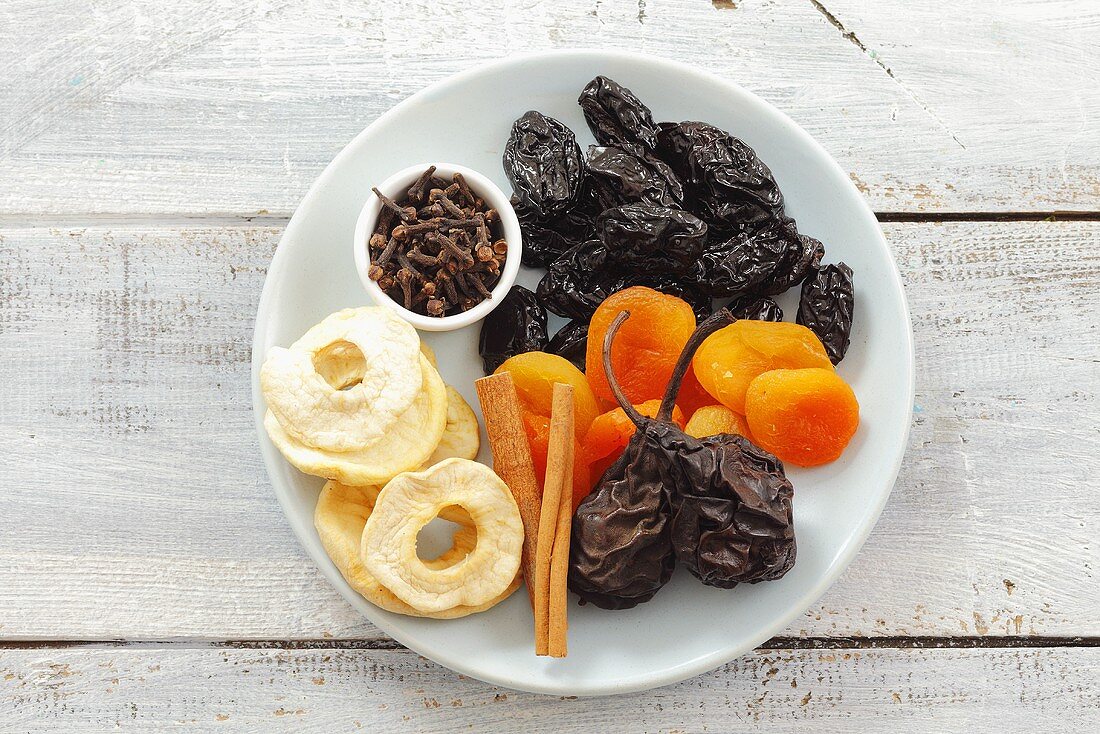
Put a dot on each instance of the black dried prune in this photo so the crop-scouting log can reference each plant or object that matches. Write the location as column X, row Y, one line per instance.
column 575, row 284
column 545, row 242
column 620, row 177
column 515, row 326
column 732, row 189
column 544, row 164
column 617, row 117
column 643, row 237
column 571, row 342
column 755, row 308
column 765, row 262
column 826, row 307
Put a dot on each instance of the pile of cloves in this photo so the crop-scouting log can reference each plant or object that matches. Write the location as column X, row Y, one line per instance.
column 437, row 251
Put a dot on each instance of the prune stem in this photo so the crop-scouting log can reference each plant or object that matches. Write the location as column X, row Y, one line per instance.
column 719, row 320
column 635, row 417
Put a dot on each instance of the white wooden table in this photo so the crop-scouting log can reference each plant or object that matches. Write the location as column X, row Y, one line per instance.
column 151, row 151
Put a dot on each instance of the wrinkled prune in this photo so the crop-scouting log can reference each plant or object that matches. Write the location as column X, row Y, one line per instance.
column 755, row 308
column 544, row 164
column 765, row 262
column 515, row 326
column 619, row 177
column 642, row 237
column 732, row 518
column 617, row 117
column 545, row 242
column 732, row 188
column 826, row 306
column 571, row 342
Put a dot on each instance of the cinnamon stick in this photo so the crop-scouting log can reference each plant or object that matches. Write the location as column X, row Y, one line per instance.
column 559, row 472
column 512, row 461
column 559, row 558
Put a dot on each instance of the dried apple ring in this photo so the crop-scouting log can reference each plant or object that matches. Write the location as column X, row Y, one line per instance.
column 340, row 516
column 412, row 500
column 408, row 443
column 347, row 381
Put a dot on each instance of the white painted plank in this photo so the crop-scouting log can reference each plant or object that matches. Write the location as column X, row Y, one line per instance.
column 835, row 691
column 135, row 505
column 213, row 106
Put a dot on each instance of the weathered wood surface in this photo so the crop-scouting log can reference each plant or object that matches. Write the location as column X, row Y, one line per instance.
column 217, row 106
column 136, row 507
column 834, row 691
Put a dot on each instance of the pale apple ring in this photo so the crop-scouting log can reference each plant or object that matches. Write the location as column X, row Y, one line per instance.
column 406, row 446
column 412, row 500
column 340, row 516
column 347, row 381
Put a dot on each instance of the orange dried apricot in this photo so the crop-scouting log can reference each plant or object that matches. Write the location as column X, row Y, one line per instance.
column 805, row 417
column 711, row 420
column 534, row 374
column 646, row 346
column 538, row 438
column 611, row 432
column 732, row 357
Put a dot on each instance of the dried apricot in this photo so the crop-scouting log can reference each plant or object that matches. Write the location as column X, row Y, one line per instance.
column 646, row 347
column 731, row 358
column 711, row 420
column 611, row 432
column 534, row 374
column 805, row 417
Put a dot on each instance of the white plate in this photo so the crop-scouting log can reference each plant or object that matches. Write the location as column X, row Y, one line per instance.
column 687, row 628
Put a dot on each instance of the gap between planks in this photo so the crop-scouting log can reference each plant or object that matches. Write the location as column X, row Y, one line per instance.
column 775, row 643
column 20, row 221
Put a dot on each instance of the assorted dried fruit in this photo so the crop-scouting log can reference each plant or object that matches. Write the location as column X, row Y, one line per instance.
column 720, row 505
column 438, row 250
column 601, row 479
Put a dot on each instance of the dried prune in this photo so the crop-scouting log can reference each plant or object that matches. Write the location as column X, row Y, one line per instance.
column 515, row 326
column 642, row 237
column 826, row 306
column 621, row 177
column 546, row 241
column 617, row 117
column 732, row 188
column 571, row 342
column 755, row 308
column 765, row 262
column 544, row 164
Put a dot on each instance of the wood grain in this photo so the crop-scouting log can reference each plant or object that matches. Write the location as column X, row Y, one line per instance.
column 136, row 506
column 834, row 691
column 217, row 107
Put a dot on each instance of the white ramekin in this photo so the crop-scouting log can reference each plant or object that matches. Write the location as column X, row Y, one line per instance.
column 395, row 187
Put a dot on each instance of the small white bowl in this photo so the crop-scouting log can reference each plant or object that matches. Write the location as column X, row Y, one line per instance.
column 395, row 187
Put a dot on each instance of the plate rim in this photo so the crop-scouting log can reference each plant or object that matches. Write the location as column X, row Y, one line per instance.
column 634, row 683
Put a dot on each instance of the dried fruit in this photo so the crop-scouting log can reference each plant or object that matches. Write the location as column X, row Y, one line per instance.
column 412, row 500
column 646, row 237
column 620, row 177
column 617, row 117
column 571, row 342
column 728, row 184
column 755, row 308
column 763, row 262
column 544, row 164
column 534, row 375
column 515, row 326
column 732, row 358
column 803, row 416
column 712, row 420
column 826, row 306
column 648, row 344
